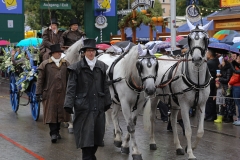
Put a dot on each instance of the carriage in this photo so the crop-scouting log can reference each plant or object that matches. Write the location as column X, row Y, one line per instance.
column 22, row 70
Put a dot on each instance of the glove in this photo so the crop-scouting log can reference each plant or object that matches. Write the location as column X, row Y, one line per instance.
column 107, row 107
column 38, row 97
column 68, row 110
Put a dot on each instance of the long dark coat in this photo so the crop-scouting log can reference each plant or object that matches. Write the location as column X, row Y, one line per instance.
column 52, row 84
column 88, row 93
column 69, row 37
column 49, row 38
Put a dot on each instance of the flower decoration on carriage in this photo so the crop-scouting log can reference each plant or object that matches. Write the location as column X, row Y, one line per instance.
column 7, row 64
column 29, row 68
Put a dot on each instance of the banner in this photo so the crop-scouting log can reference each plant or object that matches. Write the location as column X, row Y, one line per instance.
column 109, row 5
column 11, row 6
column 229, row 3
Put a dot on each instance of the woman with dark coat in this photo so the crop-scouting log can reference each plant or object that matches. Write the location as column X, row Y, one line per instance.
column 88, row 93
column 228, row 109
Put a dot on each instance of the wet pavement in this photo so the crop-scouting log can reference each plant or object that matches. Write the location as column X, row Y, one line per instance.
column 22, row 138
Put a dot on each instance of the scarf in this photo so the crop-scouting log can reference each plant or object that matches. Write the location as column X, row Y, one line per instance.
column 56, row 61
column 91, row 63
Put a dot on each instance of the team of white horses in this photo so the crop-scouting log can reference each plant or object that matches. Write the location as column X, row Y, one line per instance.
column 139, row 81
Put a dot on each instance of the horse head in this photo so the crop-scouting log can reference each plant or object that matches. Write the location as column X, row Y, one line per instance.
column 147, row 66
column 198, row 42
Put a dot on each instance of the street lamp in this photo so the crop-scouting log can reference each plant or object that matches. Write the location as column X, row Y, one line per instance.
column 152, row 3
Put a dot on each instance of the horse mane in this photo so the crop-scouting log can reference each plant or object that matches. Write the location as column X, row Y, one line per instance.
column 129, row 63
column 72, row 53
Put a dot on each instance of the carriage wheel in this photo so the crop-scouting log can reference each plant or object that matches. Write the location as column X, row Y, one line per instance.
column 14, row 95
column 35, row 105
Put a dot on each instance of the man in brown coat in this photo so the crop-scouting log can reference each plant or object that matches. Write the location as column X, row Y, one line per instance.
column 72, row 35
column 50, row 36
column 51, row 87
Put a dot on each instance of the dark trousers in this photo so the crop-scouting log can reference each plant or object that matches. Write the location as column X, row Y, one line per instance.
column 54, row 128
column 88, row 153
column 211, row 104
column 163, row 108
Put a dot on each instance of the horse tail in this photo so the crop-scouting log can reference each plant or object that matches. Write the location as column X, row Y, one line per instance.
column 147, row 116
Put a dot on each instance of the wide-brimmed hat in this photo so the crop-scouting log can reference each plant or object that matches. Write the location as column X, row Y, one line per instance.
column 55, row 48
column 74, row 21
column 89, row 43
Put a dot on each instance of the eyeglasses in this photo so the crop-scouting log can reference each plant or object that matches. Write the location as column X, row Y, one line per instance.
column 93, row 51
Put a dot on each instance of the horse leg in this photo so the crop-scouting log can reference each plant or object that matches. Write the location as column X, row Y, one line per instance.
column 173, row 117
column 117, row 129
column 188, row 130
column 152, row 142
column 200, row 130
column 70, row 125
column 131, row 132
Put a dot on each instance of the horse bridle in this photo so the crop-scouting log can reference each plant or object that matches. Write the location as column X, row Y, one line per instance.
column 149, row 64
column 206, row 41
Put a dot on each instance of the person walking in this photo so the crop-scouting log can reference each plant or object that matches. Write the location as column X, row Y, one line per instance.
column 50, row 36
column 51, row 88
column 89, row 95
column 213, row 63
column 72, row 35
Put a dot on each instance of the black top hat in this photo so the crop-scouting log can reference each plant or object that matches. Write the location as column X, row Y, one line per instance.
column 74, row 21
column 55, row 48
column 53, row 21
column 89, row 43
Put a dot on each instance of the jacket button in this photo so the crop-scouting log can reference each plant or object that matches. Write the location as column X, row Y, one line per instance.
column 95, row 108
column 94, row 94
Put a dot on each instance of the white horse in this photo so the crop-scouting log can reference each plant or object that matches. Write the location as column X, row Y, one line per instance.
column 138, row 71
column 186, row 83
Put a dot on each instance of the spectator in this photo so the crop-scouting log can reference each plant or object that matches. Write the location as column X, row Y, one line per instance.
column 234, row 83
column 213, row 62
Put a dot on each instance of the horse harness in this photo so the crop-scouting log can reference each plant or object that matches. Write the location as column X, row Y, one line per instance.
column 185, row 75
column 131, row 82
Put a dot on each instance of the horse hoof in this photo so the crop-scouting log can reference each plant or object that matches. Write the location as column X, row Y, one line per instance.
column 137, row 157
column 192, row 158
column 153, row 147
column 118, row 144
column 186, row 149
column 125, row 150
column 180, row 151
column 70, row 130
column 114, row 135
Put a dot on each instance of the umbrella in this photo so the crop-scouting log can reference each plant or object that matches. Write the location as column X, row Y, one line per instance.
column 183, row 42
column 223, row 33
column 124, row 44
column 236, row 45
column 213, row 40
column 30, row 42
column 229, row 38
column 220, row 46
column 178, row 38
column 103, row 46
column 4, row 43
column 166, row 45
column 234, row 49
column 236, row 39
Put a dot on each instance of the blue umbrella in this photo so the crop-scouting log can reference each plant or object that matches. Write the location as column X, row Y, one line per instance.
column 221, row 46
column 213, row 40
column 229, row 39
column 234, row 49
column 236, row 45
column 30, row 42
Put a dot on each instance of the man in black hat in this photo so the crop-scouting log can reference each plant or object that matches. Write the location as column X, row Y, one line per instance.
column 73, row 34
column 50, row 36
column 51, row 86
column 88, row 93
